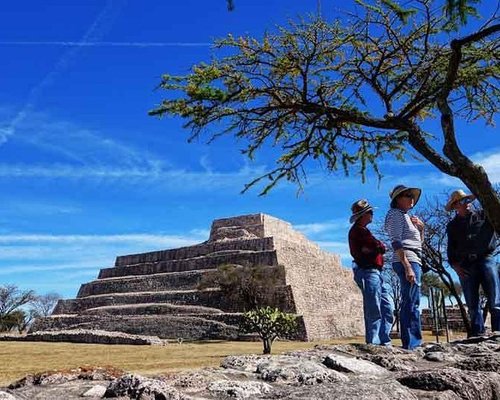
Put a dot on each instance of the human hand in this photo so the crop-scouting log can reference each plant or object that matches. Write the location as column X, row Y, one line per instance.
column 461, row 272
column 410, row 275
column 417, row 222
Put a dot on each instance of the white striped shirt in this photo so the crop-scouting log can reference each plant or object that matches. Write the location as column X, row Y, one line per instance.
column 403, row 234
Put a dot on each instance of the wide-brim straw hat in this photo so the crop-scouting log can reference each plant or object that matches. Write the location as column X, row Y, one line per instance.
column 457, row 195
column 358, row 209
column 399, row 189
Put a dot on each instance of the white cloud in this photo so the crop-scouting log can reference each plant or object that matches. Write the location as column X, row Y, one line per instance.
column 37, row 208
column 178, row 180
column 491, row 163
column 139, row 238
column 94, row 33
column 33, row 268
column 321, row 227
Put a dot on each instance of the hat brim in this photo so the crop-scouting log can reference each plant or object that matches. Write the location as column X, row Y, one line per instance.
column 449, row 206
column 354, row 217
column 416, row 192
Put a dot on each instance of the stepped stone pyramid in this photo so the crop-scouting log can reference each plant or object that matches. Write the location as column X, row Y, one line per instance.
column 157, row 293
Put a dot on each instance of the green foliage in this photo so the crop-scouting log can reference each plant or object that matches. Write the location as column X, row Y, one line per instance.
column 246, row 286
column 18, row 320
column 402, row 13
column 18, row 307
column 11, row 300
column 459, row 10
column 431, row 280
column 269, row 323
column 342, row 94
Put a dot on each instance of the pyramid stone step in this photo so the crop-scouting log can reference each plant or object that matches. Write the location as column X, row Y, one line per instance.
column 203, row 249
column 207, row 298
column 212, row 298
column 163, row 326
column 192, row 327
column 209, row 261
column 147, row 283
column 153, row 309
column 188, row 280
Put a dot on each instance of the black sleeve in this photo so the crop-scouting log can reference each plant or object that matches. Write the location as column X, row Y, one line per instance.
column 452, row 244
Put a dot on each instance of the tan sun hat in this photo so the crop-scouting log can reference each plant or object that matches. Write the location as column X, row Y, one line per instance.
column 358, row 209
column 457, row 195
column 398, row 189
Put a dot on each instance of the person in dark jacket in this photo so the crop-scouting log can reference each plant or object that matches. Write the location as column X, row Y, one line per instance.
column 367, row 253
column 471, row 242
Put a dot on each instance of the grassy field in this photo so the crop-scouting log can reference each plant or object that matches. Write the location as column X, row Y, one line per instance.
column 18, row 359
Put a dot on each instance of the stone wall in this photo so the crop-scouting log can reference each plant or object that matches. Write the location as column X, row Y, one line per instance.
column 323, row 291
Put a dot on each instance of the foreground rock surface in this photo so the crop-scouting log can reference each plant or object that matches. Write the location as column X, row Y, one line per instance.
column 467, row 370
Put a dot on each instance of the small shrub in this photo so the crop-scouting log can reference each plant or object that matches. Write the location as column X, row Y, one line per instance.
column 269, row 323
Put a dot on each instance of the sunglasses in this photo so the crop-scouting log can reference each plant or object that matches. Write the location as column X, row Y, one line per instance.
column 465, row 201
column 407, row 195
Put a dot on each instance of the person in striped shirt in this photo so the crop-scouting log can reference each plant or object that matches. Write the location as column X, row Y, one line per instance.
column 406, row 234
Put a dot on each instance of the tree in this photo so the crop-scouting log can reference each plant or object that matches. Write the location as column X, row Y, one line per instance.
column 247, row 287
column 43, row 305
column 18, row 320
column 270, row 323
column 455, row 9
column 11, row 299
column 432, row 280
column 349, row 93
column 392, row 280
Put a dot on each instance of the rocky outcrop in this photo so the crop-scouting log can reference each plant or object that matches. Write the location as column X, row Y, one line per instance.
column 158, row 293
column 466, row 371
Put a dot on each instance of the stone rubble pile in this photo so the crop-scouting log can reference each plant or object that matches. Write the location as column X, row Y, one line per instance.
column 95, row 336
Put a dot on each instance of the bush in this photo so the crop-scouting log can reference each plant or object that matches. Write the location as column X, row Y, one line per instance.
column 269, row 323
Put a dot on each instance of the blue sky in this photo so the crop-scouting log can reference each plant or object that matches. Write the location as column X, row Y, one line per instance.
column 86, row 174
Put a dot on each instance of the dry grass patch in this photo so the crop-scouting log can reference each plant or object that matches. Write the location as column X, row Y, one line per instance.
column 17, row 359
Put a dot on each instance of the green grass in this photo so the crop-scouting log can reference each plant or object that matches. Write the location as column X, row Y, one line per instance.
column 18, row 359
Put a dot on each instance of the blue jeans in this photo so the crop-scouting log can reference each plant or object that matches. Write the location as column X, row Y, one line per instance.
column 377, row 305
column 411, row 330
column 482, row 272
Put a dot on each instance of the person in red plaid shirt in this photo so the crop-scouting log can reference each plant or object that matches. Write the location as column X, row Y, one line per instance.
column 368, row 255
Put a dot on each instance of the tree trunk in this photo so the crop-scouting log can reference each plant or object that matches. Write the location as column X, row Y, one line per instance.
column 433, row 258
column 475, row 178
column 267, row 345
column 458, row 164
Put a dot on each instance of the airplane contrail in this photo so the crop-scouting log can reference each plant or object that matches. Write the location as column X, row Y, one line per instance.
column 107, row 44
column 96, row 31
